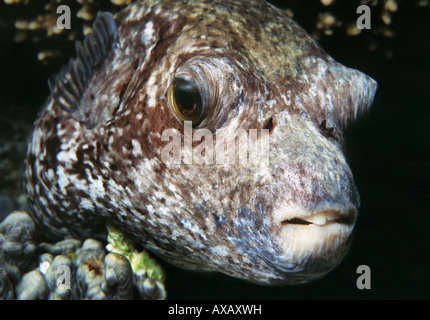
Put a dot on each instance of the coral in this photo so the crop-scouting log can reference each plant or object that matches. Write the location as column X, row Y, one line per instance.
column 70, row 269
column 32, row 286
column 16, row 235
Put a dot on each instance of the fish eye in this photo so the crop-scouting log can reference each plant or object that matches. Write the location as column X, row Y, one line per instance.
column 185, row 100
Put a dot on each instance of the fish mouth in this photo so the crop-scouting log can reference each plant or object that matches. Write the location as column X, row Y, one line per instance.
column 323, row 218
column 314, row 242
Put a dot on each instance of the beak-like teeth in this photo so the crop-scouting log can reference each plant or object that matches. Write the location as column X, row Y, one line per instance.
column 319, row 218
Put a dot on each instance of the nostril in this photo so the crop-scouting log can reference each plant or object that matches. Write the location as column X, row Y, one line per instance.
column 269, row 125
column 326, row 132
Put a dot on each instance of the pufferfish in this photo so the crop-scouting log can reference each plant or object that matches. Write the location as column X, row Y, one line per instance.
column 217, row 67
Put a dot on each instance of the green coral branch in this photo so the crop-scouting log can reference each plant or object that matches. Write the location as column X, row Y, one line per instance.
column 121, row 243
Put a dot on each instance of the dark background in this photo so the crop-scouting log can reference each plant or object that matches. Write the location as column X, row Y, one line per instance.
column 388, row 152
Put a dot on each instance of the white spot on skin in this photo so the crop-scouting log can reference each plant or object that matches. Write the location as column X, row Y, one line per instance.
column 134, row 14
column 148, row 33
column 114, row 187
column 67, row 156
column 176, row 234
column 35, row 144
column 96, row 188
column 63, row 179
column 220, row 251
column 50, row 173
column 151, row 101
column 86, row 204
column 193, row 228
column 150, row 208
column 137, row 150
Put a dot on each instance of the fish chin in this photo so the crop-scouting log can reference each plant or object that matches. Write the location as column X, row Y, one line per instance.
column 316, row 249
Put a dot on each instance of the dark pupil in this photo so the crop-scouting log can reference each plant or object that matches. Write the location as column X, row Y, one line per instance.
column 187, row 98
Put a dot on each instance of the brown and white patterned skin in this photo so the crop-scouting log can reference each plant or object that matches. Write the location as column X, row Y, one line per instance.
column 261, row 71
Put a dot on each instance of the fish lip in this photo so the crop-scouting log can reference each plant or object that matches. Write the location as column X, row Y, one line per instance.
column 324, row 218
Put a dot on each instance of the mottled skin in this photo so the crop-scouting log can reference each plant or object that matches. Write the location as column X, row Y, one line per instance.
column 261, row 70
